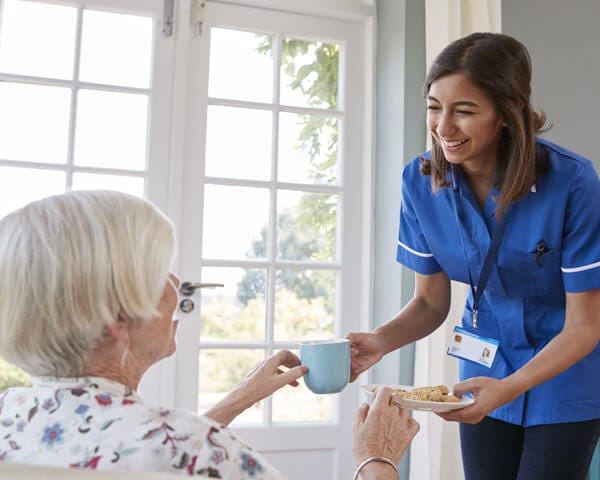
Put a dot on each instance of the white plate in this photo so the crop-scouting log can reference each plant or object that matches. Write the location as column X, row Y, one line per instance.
column 418, row 404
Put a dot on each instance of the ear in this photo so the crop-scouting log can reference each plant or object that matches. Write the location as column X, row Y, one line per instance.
column 118, row 330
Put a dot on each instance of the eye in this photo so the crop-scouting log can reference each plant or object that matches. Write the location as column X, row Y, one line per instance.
column 464, row 112
column 433, row 107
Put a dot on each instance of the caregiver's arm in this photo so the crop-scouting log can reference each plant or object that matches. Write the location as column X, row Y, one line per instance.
column 422, row 315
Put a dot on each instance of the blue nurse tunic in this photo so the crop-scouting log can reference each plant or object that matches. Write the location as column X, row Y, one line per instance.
column 551, row 245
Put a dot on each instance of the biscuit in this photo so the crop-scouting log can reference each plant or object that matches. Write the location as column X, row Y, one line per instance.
column 438, row 393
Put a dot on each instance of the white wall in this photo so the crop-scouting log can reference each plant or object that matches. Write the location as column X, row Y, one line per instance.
column 563, row 40
column 400, row 135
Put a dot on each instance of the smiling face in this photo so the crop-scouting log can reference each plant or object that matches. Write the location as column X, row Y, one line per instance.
column 463, row 120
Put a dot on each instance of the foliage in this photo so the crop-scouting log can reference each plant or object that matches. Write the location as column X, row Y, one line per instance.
column 305, row 243
column 11, row 376
column 222, row 319
column 221, row 369
column 305, row 318
column 304, row 303
column 314, row 70
column 295, row 318
column 309, row 232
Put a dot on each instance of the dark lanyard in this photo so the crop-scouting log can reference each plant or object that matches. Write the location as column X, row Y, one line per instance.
column 492, row 252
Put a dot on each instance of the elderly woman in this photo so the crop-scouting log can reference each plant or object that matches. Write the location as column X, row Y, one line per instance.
column 87, row 307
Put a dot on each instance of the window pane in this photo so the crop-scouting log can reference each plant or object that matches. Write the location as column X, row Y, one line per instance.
column 95, row 181
column 37, row 39
column 241, row 66
column 222, row 369
column 304, row 305
column 235, row 222
column 309, row 73
column 39, row 184
column 299, row 404
column 34, row 122
column 235, row 312
column 308, row 147
column 238, row 143
column 111, row 130
column 116, row 49
column 306, row 226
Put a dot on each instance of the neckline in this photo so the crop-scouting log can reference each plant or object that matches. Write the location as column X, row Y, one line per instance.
column 102, row 385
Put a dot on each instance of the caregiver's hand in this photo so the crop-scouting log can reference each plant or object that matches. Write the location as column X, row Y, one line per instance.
column 365, row 350
column 488, row 393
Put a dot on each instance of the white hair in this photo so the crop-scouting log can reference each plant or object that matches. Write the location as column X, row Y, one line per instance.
column 70, row 264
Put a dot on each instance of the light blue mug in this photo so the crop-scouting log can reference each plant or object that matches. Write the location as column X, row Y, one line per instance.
column 328, row 363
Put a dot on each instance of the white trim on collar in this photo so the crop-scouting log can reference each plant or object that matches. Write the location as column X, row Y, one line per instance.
column 533, row 189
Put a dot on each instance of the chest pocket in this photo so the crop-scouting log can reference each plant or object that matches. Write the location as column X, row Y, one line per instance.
column 530, row 274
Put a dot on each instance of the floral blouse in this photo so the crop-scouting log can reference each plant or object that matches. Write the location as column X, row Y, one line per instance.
column 95, row 423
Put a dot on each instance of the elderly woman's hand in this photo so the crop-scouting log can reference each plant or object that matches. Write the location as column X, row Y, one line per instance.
column 382, row 430
column 264, row 379
column 267, row 376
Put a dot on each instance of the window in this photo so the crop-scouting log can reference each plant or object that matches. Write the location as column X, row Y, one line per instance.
column 278, row 187
column 76, row 91
column 243, row 135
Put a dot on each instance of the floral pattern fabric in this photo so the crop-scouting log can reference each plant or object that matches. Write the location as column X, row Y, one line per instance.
column 98, row 424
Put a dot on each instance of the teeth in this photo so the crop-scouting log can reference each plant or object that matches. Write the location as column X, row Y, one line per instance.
column 454, row 144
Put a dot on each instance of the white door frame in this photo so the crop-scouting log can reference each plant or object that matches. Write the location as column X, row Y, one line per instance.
column 179, row 379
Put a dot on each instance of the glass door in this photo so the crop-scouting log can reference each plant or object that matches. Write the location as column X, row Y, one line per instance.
column 272, row 195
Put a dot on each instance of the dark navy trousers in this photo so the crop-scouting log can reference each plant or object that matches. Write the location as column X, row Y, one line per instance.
column 496, row 450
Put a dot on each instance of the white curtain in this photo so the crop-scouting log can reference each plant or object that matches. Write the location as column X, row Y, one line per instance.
column 435, row 452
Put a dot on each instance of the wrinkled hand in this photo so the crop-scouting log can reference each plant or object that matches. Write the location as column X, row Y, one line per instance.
column 364, row 352
column 267, row 377
column 383, row 429
column 488, row 393
column 260, row 382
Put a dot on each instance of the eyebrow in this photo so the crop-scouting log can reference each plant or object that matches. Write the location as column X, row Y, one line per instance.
column 464, row 103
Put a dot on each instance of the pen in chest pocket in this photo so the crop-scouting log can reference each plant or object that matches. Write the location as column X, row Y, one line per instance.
column 540, row 249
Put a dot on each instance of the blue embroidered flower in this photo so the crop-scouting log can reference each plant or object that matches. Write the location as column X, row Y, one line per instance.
column 250, row 465
column 81, row 409
column 53, row 434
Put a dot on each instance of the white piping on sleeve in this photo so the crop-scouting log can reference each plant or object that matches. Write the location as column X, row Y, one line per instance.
column 414, row 252
column 580, row 269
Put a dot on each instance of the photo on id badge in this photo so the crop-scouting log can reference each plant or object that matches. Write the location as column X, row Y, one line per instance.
column 485, row 356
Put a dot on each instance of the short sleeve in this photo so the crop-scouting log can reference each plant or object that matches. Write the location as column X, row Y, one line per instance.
column 580, row 263
column 413, row 250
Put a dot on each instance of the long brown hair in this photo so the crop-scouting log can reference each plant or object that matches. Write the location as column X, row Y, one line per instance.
column 500, row 66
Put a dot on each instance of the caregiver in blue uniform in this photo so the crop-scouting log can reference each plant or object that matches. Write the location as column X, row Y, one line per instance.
column 517, row 218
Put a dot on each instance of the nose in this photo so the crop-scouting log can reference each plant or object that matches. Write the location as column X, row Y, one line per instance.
column 445, row 125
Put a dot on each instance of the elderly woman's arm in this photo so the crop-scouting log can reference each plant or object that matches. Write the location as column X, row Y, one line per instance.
column 264, row 379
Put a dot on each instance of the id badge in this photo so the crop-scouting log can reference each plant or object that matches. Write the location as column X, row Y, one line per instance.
column 472, row 347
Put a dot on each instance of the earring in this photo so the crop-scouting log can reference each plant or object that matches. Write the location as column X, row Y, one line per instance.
column 125, row 352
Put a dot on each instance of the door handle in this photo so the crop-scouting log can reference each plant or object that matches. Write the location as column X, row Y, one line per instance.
column 187, row 289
